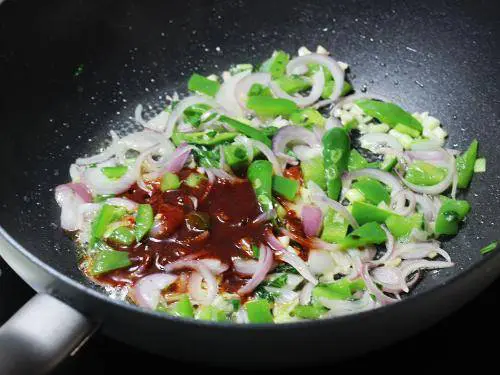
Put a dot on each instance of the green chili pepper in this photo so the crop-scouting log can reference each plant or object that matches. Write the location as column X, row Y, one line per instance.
column 236, row 155
column 265, row 106
column 170, row 181
column 334, row 227
column 373, row 191
column 194, row 180
column 293, row 84
column 194, row 113
column 307, row 117
column 314, row 170
column 107, row 259
column 465, row 165
column 425, row 174
column 114, row 172
column 489, row 248
column 259, row 90
column 246, row 130
column 285, row 187
column 143, row 221
column 367, row 234
column 260, row 175
column 366, row 213
column 450, row 214
column 106, row 216
column 276, row 64
column 389, row 113
column 356, row 161
column 401, row 227
column 259, row 311
column 309, row 311
column 211, row 313
column 203, row 138
column 182, row 308
column 340, row 290
column 122, row 236
column 336, row 148
column 203, row 85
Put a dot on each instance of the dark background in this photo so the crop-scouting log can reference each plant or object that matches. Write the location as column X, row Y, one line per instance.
column 470, row 336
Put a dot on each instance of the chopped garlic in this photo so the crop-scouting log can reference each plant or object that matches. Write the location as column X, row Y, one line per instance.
column 404, row 139
column 303, row 51
column 322, row 50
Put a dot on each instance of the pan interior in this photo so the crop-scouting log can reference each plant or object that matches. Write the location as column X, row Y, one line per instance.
column 81, row 68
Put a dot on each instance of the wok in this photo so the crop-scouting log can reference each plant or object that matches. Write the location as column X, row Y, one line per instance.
column 73, row 70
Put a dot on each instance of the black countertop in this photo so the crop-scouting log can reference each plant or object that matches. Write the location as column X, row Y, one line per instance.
column 470, row 336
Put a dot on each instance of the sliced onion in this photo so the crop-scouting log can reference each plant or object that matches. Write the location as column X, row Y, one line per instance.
column 226, row 96
column 382, row 176
column 320, row 262
column 245, row 84
column 80, row 189
column 295, row 135
column 332, row 122
column 441, row 186
column 264, row 266
column 318, row 85
column 312, row 218
column 380, row 140
column 296, row 262
column 245, row 267
column 107, row 154
column 426, row 206
column 390, row 278
column 373, row 289
column 306, row 294
column 223, row 175
column 265, row 216
column 398, row 202
column 148, row 289
column 352, row 98
column 305, row 153
column 123, row 202
column 69, row 201
column 420, row 250
column 339, row 307
column 215, row 265
column 318, row 196
column 389, row 246
column 179, row 109
column 176, row 161
column 409, row 266
column 327, row 62
column 138, row 115
column 199, row 266
column 430, row 144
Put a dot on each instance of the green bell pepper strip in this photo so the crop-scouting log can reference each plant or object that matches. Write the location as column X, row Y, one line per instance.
column 339, row 290
column 285, row 187
column 170, row 181
column 336, row 149
column 367, row 234
column 334, row 227
column 293, row 84
column 259, row 90
column 194, row 113
column 366, row 213
column 314, row 170
column 389, row 113
column 203, row 138
column 259, row 311
column 211, row 313
column 122, row 236
column 425, row 174
column 356, row 161
column 465, row 165
column 246, row 130
column 106, row 216
column 194, row 180
column 107, row 259
column 114, row 172
column 260, row 175
column 388, row 163
column 401, row 227
column 373, row 191
column 203, row 85
column 265, row 106
column 182, row 308
column 450, row 214
column 489, row 248
column 330, row 85
column 307, row 117
column 143, row 221
column 276, row 64
column 235, row 155
column 309, row 311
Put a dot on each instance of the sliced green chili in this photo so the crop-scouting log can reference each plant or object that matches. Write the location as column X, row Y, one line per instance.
column 246, row 130
column 260, row 175
column 203, row 85
column 489, row 248
column 265, row 106
column 336, row 149
column 143, row 221
column 465, row 165
column 450, row 214
column 170, row 181
column 106, row 216
column 286, row 187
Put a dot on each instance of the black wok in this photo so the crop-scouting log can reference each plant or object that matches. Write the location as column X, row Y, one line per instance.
column 71, row 71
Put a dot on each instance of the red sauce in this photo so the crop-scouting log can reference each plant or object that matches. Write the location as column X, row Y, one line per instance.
column 230, row 207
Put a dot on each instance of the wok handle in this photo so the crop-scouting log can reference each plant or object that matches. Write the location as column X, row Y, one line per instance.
column 40, row 335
